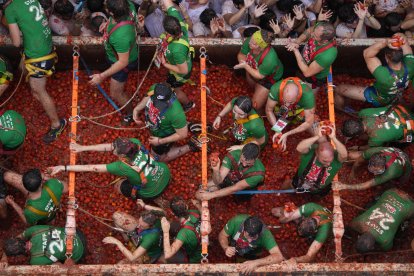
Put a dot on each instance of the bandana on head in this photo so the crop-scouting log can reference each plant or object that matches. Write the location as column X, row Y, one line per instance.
column 258, row 38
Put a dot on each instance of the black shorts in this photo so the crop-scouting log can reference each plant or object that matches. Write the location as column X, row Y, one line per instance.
column 127, row 188
column 162, row 149
column 265, row 83
column 44, row 65
column 172, row 80
column 122, row 75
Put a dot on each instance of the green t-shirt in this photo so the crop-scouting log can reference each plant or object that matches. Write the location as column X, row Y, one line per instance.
column 395, row 170
column 258, row 166
column 123, row 39
column 53, row 242
column 191, row 242
column 380, row 133
column 252, row 129
column 32, row 22
column 264, row 241
column 157, row 173
column 307, row 101
column 176, row 52
column 325, row 219
column 383, row 219
column 170, row 120
column 14, row 135
column 151, row 240
column 386, row 84
column 314, row 171
column 44, row 203
column 325, row 59
column 271, row 64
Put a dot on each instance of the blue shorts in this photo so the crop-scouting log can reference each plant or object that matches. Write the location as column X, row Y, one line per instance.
column 122, row 75
column 368, row 93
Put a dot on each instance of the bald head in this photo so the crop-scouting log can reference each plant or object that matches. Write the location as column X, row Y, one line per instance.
column 325, row 153
column 290, row 94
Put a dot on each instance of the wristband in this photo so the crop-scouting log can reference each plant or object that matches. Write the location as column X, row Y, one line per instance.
column 66, row 168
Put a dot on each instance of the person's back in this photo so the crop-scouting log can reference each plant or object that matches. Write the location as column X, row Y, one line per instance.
column 30, row 17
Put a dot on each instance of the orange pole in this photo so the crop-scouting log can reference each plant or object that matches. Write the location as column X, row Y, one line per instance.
column 338, row 224
column 205, row 214
column 70, row 227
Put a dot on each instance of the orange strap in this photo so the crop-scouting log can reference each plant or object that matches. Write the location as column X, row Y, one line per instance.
column 283, row 85
column 205, row 214
column 70, row 227
column 401, row 111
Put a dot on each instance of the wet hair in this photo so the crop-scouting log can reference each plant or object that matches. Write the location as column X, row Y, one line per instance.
column 365, row 243
column 95, row 23
column 126, row 189
column 394, row 55
column 151, row 216
column 118, row 8
column 46, row 4
column 206, row 16
column 64, row 8
column 253, row 226
column 392, row 19
column 352, row 128
column 251, row 151
column 237, row 3
column 32, row 179
column 346, row 13
column 377, row 160
column 248, row 32
column 244, row 103
column 286, row 6
column 307, row 227
column 95, row 5
column 179, row 207
column 264, row 20
column 125, row 147
column 14, row 247
column 172, row 25
column 328, row 30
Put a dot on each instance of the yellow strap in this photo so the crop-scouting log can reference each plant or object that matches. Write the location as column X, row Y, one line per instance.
column 249, row 118
column 36, row 211
column 39, row 59
column 52, row 195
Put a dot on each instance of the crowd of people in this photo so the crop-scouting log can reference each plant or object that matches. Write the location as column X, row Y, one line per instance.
column 288, row 103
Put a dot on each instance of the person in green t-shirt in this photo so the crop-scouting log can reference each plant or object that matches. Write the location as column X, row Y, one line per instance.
column 378, row 225
column 319, row 163
column 248, row 125
column 391, row 80
column 241, row 170
column 121, row 51
column 143, row 234
column 167, row 123
column 42, row 198
column 145, row 177
column 247, row 236
column 262, row 65
column 385, row 164
column 46, row 245
column 382, row 125
column 189, row 236
column 314, row 221
column 12, row 131
column 6, row 76
column 174, row 52
column 290, row 101
column 318, row 54
column 29, row 19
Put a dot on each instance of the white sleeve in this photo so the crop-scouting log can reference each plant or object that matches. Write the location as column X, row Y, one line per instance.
column 342, row 31
column 228, row 7
column 199, row 29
